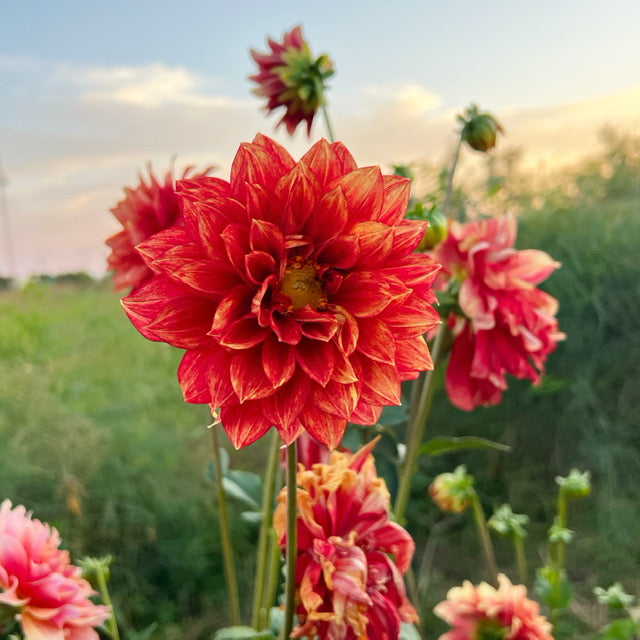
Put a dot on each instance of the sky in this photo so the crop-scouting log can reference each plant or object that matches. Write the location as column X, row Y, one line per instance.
column 91, row 93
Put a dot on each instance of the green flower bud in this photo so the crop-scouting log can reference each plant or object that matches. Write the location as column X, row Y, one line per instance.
column 435, row 233
column 614, row 597
column 507, row 523
column 576, row 484
column 560, row 534
column 453, row 492
column 479, row 130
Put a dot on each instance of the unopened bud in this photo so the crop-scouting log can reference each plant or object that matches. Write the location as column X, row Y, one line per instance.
column 576, row 484
column 507, row 523
column 453, row 492
column 479, row 130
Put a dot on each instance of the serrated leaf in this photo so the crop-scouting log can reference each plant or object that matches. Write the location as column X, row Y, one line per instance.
column 242, row 633
column 445, row 444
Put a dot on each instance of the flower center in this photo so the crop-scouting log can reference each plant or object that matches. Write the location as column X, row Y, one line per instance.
column 302, row 286
column 490, row 630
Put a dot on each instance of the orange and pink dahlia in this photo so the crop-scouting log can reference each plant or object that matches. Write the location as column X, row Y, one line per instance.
column 39, row 585
column 504, row 324
column 351, row 557
column 149, row 207
column 294, row 290
column 486, row 613
column 290, row 77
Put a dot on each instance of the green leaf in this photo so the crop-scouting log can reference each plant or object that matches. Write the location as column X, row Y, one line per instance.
column 622, row 629
column 409, row 632
column 245, row 487
column 242, row 633
column 445, row 444
column 553, row 587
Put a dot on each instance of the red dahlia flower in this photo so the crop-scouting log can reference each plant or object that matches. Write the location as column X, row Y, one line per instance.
column 507, row 325
column 290, row 77
column 37, row 581
column 351, row 557
column 146, row 209
column 486, row 613
column 294, row 290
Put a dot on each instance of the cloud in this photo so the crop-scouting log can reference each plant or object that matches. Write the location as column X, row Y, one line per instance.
column 75, row 134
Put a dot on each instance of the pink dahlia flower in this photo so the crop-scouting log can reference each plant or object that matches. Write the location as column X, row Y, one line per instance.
column 290, row 77
column 149, row 207
column 486, row 613
column 294, row 290
column 351, row 557
column 50, row 598
column 506, row 324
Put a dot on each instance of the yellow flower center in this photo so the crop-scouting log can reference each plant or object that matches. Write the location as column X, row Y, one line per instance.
column 302, row 285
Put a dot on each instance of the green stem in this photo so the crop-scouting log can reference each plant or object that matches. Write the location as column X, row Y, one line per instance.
column 112, row 624
column 416, row 428
column 485, row 539
column 225, row 536
column 449, row 189
column 292, row 542
column 268, row 491
column 272, row 579
column 327, row 123
column 562, row 522
column 521, row 560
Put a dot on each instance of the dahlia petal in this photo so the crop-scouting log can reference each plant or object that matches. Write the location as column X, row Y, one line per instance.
column 315, row 324
column 407, row 235
column 330, row 218
column 396, row 541
column 286, row 329
column 266, row 237
column 413, row 356
column 380, row 382
column 316, row 359
column 236, row 243
column 243, row 334
column 376, row 340
column 263, row 161
column 324, row 427
column 236, row 304
column 249, row 382
column 363, row 189
column 362, row 294
column 244, row 423
column 348, row 337
column 365, row 413
column 413, row 318
column 285, row 405
column 338, row 399
column 375, row 241
column 298, row 191
column 396, row 192
column 341, row 252
column 157, row 245
column 278, row 361
column 323, row 161
column 183, row 321
column 259, row 266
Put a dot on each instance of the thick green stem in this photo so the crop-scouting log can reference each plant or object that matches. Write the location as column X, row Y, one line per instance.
column 449, row 189
column 416, row 428
column 485, row 539
column 327, row 123
column 225, row 537
column 292, row 542
column 268, row 491
column 521, row 560
column 112, row 624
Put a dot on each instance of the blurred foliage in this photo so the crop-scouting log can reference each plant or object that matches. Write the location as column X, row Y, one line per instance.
column 96, row 439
